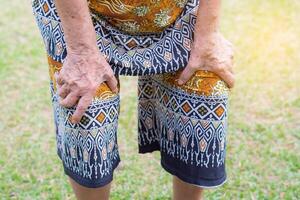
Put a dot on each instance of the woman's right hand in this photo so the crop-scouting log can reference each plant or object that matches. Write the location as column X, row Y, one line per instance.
column 79, row 78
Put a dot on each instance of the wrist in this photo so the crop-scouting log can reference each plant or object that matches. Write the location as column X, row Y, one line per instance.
column 205, row 36
column 206, row 26
column 82, row 49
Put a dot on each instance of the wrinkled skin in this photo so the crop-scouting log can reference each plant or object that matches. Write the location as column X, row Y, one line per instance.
column 211, row 52
column 79, row 79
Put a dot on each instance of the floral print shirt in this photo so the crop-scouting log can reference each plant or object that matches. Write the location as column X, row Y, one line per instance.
column 138, row 16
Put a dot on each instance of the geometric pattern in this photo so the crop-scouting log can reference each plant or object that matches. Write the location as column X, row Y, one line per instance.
column 156, row 53
column 133, row 17
column 188, row 123
column 187, row 128
column 88, row 149
column 102, row 92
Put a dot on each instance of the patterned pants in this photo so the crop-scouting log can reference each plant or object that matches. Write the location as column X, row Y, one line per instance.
column 187, row 124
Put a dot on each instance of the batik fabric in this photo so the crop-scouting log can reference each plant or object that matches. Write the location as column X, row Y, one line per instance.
column 150, row 39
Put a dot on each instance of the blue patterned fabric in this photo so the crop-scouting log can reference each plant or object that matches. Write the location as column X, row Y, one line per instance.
column 88, row 149
column 152, row 54
column 188, row 128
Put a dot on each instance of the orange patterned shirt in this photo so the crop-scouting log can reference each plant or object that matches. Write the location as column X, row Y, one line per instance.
column 136, row 16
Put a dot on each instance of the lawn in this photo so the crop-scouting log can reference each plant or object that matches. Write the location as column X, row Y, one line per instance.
column 263, row 156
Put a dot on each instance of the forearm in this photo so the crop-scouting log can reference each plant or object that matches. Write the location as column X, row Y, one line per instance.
column 77, row 24
column 207, row 17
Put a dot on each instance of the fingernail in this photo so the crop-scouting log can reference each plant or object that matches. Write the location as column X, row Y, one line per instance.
column 72, row 120
column 180, row 82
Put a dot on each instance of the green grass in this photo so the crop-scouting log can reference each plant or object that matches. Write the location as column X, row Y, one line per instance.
column 263, row 159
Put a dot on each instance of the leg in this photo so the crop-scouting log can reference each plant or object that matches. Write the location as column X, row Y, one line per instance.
column 89, row 149
column 192, row 122
column 148, row 136
column 183, row 190
column 84, row 193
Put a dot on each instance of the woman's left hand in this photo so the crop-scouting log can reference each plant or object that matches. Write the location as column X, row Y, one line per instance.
column 211, row 52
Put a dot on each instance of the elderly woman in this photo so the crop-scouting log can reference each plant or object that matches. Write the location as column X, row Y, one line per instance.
column 184, row 66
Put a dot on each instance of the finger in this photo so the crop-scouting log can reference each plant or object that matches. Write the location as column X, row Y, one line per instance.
column 55, row 80
column 58, row 87
column 55, row 75
column 112, row 83
column 186, row 74
column 69, row 100
column 58, row 78
column 228, row 78
column 81, row 107
column 63, row 91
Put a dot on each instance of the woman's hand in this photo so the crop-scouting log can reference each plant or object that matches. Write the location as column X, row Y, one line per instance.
column 211, row 52
column 79, row 79
column 84, row 68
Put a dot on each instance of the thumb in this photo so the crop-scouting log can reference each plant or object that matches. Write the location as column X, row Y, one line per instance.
column 186, row 74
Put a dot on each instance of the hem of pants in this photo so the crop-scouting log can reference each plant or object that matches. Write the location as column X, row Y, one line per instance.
column 203, row 183
column 149, row 148
column 91, row 184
